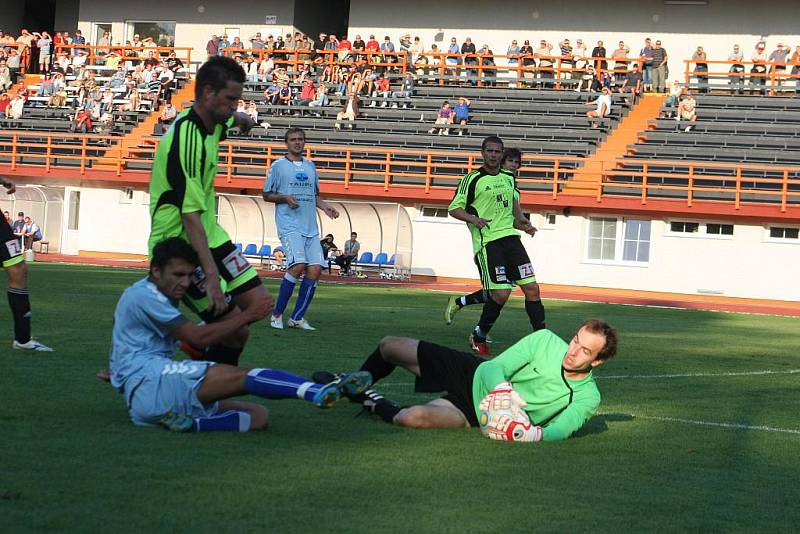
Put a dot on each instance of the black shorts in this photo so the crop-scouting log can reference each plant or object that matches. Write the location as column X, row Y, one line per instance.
column 445, row 369
column 503, row 263
column 237, row 276
column 10, row 245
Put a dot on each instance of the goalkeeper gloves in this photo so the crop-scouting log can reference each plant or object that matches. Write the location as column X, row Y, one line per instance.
column 503, row 427
column 503, row 397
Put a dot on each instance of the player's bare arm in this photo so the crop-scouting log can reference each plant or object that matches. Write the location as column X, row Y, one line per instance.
column 8, row 184
column 520, row 221
column 329, row 210
column 280, row 199
column 243, row 122
column 209, row 334
column 197, row 237
column 462, row 215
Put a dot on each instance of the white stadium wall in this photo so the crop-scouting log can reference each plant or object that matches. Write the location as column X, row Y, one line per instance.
column 681, row 28
column 747, row 264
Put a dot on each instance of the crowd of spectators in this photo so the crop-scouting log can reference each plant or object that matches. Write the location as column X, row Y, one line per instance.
column 95, row 83
column 25, row 228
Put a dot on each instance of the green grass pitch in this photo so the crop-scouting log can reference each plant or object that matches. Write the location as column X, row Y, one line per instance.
column 654, row 459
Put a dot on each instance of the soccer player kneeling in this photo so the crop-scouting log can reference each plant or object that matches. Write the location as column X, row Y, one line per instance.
column 541, row 388
column 194, row 395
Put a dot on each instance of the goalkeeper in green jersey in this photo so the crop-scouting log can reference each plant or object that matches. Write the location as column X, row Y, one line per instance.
column 487, row 199
column 548, row 378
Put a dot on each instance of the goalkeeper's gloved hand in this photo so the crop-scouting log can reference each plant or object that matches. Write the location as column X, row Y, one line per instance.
column 503, row 427
column 503, row 397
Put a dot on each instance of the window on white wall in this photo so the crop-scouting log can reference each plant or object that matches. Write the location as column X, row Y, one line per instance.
column 684, row 227
column 161, row 32
column 699, row 229
column 434, row 212
column 126, row 196
column 719, row 229
column 784, row 233
column 618, row 240
column 548, row 220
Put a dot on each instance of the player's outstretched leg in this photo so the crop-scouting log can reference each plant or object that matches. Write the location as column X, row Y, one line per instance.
column 370, row 400
column 284, row 294
column 233, row 416
column 533, row 305
column 307, row 289
column 19, row 302
column 491, row 311
column 454, row 304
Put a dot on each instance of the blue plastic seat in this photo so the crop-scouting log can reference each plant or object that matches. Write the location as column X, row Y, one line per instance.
column 391, row 260
column 366, row 257
column 265, row 250
column 239, row 246
column 250, row 250
column 382, row 258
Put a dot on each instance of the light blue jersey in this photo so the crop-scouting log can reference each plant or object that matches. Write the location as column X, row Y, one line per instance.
column 141, row 338
column 297, row 178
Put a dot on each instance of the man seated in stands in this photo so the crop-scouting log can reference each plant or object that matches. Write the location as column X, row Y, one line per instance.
column 5, row 100
column 349, row 111
column 589, row 81
column 30, row 233
column 18, row 226
column 406, row 89
column 307, row 93
column 82, row 122
column 462, row 113
column 443, row 116
column 14, row 109
column 381, row 90
column 271, row 94
column 687, row 110
column 602, row 109
column 174, row 63
column 350, row 253
column 168, row 115
column 632, row 82
column 118, row 78
column 329, row 250
column 5, row 75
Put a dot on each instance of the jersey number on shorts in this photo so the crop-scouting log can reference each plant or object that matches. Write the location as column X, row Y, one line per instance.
column 235, row 263
column 14, row 248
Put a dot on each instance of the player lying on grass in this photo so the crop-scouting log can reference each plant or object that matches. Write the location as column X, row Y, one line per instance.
column 194, row 395
column 544, row 376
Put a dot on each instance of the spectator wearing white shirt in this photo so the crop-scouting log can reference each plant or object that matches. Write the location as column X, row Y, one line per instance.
column 602, row 107
column 737, row 69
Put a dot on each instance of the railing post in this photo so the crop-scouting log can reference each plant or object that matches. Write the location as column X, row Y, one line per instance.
column 230, row 162
column 269, row 159
column 83, row 156
column 14, row 140
column 555, row 179
column 644, row 183
column 784, row 190
column 557, row 73
column 49, row 152
column 347, row 156
column 428, row 174
column 690, row 193
column 388, row 171
column 442, row 69
column 470, row 162
column 480, row 70
column 686, row 72
column 738, row 187
column 119, row 159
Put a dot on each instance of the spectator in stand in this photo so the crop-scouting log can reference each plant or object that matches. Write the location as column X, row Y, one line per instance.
column 687, row 109
column 265, row 68
column 5, row 76
column 6, row 213
column 358, row 48
column 461, row 112
column 59, row 96
column 372, row 47
column 589, row 81
column 566, row 59
column 256, row 42
column 5, row 100
column 416, row 49
column 487, row 60
column 405, row 47
column 579, row 60
column 329, row 249
column 252, row 110
column 80, row 40
column 675, row 91
column 620, row 57
column 284, row 97
column 271, row 93
column 599, row 51
column 166, row 118
column 15, row 107
column 795, row 62
column 545, row 69
column 320, row 98
column 45, row 45
column 82, row 122
column 18, row 226
column 647, row 53
column 513, row 54
column 350, row 253
column 528, row 61
column 406, row 90
column 602, row 107
column 222, row 45
column 468, row 52
column 24, row 42
column 345, row 49
column 778, row 60
column 632, row 83
column 701, row 69
column 104, row 47
column 758, row 73
column 14, row 64
column 737, row 69
column 31, row 233
column 349, row 111
column 212, row 46
column 660, row 59
column 381, row 90
column 387, row 49
column 454, row 57
column 331, row 45
column 443, row 117
column 307, row 93
column 237, row 44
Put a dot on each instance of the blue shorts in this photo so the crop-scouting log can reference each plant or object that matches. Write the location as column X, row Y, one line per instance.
column 167, row 386
column 302, row 249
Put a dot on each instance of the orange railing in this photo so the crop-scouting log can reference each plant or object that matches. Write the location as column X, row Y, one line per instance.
column 647, row 183
column 249, row 160
column 774, row 75
column 560, row 68
column 129, row 53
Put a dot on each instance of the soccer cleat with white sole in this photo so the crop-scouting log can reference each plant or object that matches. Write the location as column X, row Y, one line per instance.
column 348, row 385
column 31, row 345
column 302, row 324
column 451, row 310
column 276, row 321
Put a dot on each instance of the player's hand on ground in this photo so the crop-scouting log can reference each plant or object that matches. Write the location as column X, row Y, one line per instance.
column 244, row 122
column 216, row 298
column 480, row 223
column 291, row 201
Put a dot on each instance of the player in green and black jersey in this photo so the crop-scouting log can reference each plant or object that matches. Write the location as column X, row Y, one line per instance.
column 183, row 203
column 487, row 199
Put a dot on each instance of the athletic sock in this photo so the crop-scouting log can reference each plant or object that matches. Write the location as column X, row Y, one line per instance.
column 284, row 293
column 535, row 310
column 377, row 366
column 307, row 289
column 279, row 384
column 386, row 410
column 229, row 421
column 490, row 313
column 223, row 354
column 478, row 297
column 20, row 306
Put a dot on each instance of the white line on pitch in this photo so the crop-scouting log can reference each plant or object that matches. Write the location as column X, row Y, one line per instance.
column 737, row 426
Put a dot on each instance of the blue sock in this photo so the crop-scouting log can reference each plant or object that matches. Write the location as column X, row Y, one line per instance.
column 284, row 293
column 304, row 296
column 278, row 384
column 229, row 421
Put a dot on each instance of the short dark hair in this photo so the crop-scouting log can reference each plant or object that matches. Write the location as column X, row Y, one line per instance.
column 354, row 233
column 512, row 153
column 491, row 139
column 294, row 130
column 172, row 248
column 598, row 326
column 216, row 73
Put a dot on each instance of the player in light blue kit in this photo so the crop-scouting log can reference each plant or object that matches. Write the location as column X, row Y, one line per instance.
column 194, row 395
column 293, row 186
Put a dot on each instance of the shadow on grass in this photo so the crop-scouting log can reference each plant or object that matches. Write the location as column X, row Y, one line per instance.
column 597, row 424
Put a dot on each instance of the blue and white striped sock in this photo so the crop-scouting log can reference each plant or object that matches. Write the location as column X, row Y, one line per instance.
column 228, row 421
column 304, row 296
column 284, row 293
column 279, row 384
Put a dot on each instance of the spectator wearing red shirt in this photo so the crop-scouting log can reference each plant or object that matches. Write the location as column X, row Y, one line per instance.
column 381, row 89
column 307, row 93
column 344, row 49
column 4, row 101
column 373, row 47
